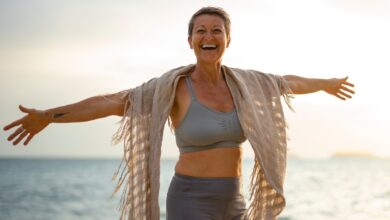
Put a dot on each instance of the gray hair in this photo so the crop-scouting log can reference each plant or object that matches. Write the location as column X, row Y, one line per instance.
column 211, row 11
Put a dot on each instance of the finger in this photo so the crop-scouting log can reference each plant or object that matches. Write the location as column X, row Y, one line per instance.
column 348, row 90
column 348, row 84
column 24, row 109
column 13, row 124
column 340, row 97
column 17, row 132
column 344, row 94
column 20, row 138
column 28, row 139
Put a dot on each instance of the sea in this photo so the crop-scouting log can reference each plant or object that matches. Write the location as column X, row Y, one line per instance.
column 70, row 189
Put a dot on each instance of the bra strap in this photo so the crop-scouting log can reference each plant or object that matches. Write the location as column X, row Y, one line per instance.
column 190, row 88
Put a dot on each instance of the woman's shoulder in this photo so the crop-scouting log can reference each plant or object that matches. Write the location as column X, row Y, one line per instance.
column 250, row 73
column 168, row 77
column 181, row 70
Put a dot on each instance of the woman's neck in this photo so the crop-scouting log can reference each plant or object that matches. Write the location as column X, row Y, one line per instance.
column 208, row 73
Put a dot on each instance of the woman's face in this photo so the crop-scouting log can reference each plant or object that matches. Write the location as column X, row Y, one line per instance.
column 208, row 39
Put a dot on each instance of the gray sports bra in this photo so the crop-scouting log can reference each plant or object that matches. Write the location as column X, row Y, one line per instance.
column 203, row 128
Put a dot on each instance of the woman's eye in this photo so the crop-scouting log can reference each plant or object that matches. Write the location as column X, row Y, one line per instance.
column 200, row 31
column 217, row 30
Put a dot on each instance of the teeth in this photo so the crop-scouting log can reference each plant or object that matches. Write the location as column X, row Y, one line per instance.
column 209, row 46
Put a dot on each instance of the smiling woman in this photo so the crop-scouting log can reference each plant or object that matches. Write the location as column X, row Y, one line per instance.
column 213, row 109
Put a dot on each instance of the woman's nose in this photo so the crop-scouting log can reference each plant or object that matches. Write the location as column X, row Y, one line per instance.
column 208, row 35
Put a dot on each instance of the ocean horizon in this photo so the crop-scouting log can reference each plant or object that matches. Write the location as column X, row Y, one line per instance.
column 67, row 189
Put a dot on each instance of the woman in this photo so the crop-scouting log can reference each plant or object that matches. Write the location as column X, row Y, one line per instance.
column 213, row 110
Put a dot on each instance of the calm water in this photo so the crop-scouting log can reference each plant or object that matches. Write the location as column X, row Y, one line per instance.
column 81, row 189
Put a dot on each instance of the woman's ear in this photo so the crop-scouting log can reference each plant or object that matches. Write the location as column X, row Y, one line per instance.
column 189, row 39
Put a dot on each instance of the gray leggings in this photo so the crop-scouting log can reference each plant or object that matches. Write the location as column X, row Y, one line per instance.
column 192, row 198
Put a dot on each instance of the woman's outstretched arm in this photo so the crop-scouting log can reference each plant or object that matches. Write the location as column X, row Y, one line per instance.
column 86, row 110
column 338, row 87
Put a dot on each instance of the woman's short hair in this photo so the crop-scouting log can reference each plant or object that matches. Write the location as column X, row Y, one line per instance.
column 211, row 11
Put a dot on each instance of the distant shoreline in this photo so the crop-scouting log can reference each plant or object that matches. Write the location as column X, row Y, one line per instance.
column 355, row 155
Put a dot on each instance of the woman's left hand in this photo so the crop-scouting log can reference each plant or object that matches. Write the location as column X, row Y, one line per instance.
column 340, row 88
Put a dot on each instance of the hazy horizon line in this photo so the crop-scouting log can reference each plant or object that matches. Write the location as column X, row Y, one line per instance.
column 290, row 157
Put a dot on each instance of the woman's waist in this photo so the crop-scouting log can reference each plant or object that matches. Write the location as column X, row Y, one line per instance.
column 195, row 148
column 218, row 162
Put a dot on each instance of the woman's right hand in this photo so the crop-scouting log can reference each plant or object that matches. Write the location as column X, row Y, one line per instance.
column 29, row 125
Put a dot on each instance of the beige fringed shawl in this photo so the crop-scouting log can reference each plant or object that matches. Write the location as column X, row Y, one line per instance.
column 257, row 99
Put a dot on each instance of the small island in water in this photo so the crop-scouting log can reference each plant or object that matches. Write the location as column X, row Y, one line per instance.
column 354, row 154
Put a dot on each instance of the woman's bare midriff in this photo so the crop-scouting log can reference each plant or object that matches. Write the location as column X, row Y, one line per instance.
column 217, row 162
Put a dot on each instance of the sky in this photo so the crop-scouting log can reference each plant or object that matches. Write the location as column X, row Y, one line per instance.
column 55, row 52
